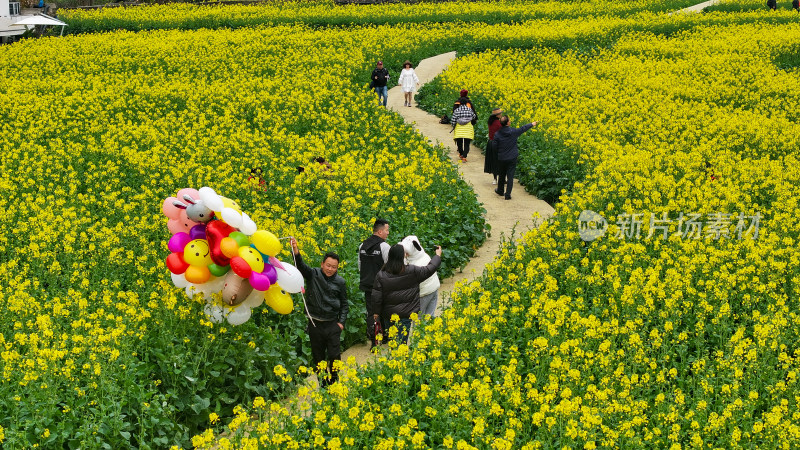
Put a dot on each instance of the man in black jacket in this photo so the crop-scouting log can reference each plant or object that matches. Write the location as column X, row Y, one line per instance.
column 380, row 76
column 372, row 255
column 505, row 144
column 326, row 300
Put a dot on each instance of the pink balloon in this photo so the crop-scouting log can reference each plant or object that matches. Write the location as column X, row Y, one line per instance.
column 169, row 209
column 193, row 193
column 172, row 211
column 178, row 242
column 276, row 262
column 182, row 224
column 259, row 281
column 175, row 226
column 271, row 273
column 187, row 223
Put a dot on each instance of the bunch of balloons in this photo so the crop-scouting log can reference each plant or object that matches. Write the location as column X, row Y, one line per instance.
column 215, row 247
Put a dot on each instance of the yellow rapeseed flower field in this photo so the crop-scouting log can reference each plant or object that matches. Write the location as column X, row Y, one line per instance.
column 637, row 339
column 630, row 341
column 99, row 347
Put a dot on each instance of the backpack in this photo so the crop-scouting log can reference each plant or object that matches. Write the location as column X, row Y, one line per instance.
column 444, row 119
column 463, row 115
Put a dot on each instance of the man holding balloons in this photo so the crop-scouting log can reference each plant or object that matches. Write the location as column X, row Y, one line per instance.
column 326, row 301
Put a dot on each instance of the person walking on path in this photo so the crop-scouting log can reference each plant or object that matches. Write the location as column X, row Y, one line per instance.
column 326, row 300
column 463, row 99
column 464, row 119
column 490, row 164
column 428, row 288
column 409, row 82
column 505, row 141
column 380, row 76
column 396, row 290
column 372, row 255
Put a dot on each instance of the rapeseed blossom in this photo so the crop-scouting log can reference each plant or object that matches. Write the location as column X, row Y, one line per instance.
column 623, row 342
column 634, row 343
column 105, row 127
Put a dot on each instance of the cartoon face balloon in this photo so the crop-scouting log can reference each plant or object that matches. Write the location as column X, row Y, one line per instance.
column 253, row 258
column 236, row 289
column 181, row 224
column 197, row 253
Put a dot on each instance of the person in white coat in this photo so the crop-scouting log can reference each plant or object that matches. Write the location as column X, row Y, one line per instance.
column 429, row 288
column 409, row 82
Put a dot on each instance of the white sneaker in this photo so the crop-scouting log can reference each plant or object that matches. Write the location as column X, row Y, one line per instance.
column 494, row 181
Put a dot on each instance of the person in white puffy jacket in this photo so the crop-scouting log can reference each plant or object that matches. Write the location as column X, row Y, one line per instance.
column 409, row 82
column 429, row 288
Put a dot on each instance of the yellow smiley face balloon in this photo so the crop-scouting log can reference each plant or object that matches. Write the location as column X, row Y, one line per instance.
column 197, row 253
column 253, row 258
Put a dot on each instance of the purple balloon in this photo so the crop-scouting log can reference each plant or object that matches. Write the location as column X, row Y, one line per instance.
column 178, row 242
column 259, row 281
column 271, row 273
column 198, row 231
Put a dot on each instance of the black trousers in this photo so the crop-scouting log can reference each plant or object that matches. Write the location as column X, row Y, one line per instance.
column 371, row 323
column 463, row 146
column 326, row 344
column 506, row 172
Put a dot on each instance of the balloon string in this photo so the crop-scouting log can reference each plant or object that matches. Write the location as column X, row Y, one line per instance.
column 302, row 295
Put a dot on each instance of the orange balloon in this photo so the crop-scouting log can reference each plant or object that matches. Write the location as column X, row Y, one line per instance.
column 229, row 247
column 197, row 274
column 277, row 299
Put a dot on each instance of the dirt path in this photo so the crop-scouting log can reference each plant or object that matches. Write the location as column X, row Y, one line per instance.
column 502, row 215
column 696, row 8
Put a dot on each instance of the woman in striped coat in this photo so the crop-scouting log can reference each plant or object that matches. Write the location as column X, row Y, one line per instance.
column 463, row 120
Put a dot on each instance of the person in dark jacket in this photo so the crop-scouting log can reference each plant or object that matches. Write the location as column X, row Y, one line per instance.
column 396, row 289
column 505, row 142
column 372, row 255
column 490, row 163
column 380, row 76
column 463, row 99
column 327, row 308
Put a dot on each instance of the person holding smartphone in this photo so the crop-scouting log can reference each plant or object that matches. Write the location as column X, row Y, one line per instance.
column 396, row 289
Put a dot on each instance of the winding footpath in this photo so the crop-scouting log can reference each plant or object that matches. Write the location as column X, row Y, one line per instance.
column 503, row 216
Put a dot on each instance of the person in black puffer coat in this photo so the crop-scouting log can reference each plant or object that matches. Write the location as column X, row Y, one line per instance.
column 396, row 289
